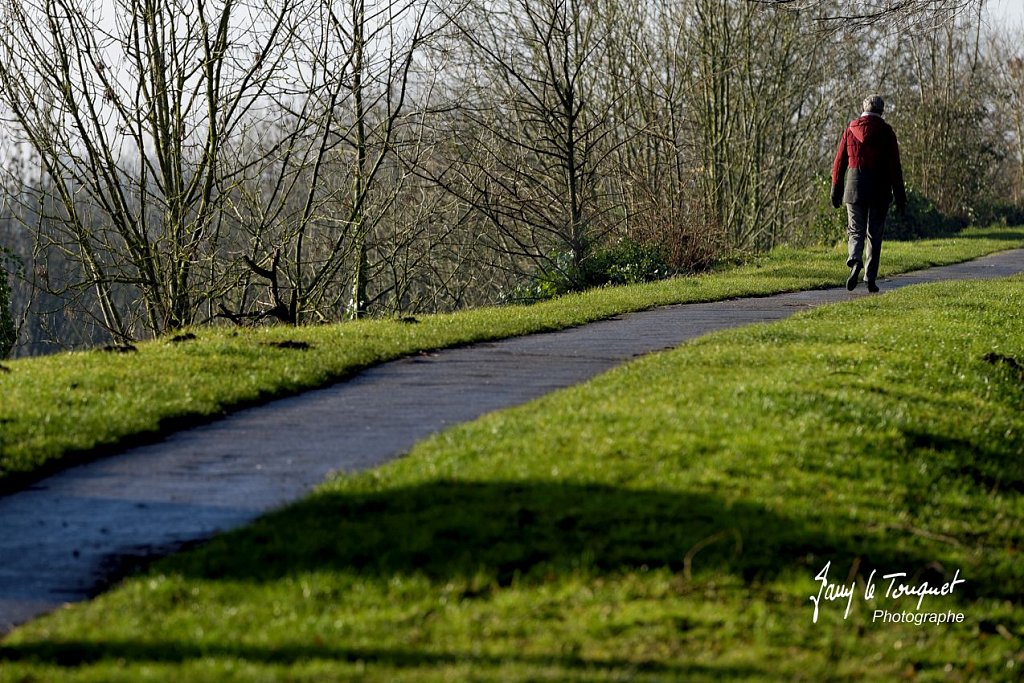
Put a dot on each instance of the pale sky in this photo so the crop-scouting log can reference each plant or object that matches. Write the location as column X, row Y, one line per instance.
column 1006, row 12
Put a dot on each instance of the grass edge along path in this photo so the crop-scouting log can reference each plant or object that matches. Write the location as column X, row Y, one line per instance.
column 664, row 520
column 67, row 408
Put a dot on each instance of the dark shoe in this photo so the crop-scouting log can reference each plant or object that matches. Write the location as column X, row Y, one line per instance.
column 872, row 287
column 851, row 282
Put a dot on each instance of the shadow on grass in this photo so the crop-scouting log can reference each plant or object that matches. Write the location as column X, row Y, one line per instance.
column 516, row 532
column 78, row 652
column 495, row 534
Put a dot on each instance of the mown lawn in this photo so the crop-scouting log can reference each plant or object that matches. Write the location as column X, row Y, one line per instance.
column 664, row 521
column 66, row 408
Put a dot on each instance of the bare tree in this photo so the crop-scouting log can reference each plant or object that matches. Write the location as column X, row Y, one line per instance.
column 527, row 138
column 922, row 14
column 337, row 176
column 1007, row 60
column 134, row 117
column 755, row 109
column 942, row 92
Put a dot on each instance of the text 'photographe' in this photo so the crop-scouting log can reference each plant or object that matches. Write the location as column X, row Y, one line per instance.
column 896, row 587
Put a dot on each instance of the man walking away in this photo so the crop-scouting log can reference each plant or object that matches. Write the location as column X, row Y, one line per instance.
column 867, row 176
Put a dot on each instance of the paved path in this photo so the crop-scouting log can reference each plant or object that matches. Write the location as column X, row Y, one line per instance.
column 63, row 536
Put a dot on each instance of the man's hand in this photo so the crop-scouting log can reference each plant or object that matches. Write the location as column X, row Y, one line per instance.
column 837, row 195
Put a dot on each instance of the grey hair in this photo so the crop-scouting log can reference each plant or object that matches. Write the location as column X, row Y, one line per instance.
column 874, row 104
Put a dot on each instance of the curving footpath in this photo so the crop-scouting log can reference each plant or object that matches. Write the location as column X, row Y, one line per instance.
column 65, row 537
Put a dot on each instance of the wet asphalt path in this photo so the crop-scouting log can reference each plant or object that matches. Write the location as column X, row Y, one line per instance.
column 61, row 538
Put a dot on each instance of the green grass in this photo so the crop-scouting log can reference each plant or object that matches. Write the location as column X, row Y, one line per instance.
column 62, row 409
column 664, row 521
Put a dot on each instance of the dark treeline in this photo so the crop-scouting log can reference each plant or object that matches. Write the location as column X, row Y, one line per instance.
column 300, row 161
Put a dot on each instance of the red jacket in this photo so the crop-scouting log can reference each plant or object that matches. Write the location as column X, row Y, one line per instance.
column 867, row 169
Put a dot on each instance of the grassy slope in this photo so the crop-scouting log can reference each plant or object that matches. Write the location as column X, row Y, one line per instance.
column 60, row 409
column 662, row 522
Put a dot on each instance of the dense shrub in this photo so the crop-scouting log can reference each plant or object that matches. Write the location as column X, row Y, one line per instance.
column 623, row 263
column 627, row 262
column 1001, row 212
column 922, row 218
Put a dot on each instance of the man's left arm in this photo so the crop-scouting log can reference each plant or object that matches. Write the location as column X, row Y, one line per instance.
column 899, row 190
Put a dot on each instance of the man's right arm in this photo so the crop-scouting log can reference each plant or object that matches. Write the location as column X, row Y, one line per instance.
column 839, row 171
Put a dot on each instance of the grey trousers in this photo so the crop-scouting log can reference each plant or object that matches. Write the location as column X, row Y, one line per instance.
column 866, row 222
